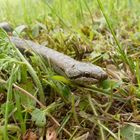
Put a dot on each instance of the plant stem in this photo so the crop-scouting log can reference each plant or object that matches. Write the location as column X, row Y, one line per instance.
column 9, row 92
column 98, row 121
column 121, row 51
column 73, row 109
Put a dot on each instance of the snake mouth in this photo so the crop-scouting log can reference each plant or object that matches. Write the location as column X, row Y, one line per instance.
column 87, row 78
column 88, row 75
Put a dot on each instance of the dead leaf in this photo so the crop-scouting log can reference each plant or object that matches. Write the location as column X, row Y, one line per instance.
column 51, row 133
column 83, row 137
column 30, row 136
column 114, row 73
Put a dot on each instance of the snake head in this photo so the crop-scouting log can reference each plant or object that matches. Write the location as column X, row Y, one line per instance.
column 86, row 73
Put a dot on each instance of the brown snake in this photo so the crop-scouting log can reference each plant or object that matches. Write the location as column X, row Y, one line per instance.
column 78, row 72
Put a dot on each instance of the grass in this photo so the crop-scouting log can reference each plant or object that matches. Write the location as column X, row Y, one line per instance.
column 33, row 98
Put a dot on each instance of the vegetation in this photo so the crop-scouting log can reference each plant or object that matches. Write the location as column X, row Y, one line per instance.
column 37, row 103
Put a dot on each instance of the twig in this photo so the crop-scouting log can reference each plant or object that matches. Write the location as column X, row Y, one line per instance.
column 24, row 92
column 59, row 124
column 28, row 94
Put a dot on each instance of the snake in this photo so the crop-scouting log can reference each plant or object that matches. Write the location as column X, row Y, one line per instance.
column 77, row 71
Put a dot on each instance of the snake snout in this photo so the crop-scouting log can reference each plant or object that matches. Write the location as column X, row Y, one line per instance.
column 87, row 71
column 104, row 76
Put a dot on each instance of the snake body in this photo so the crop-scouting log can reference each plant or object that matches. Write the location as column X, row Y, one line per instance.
column 78, row 72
